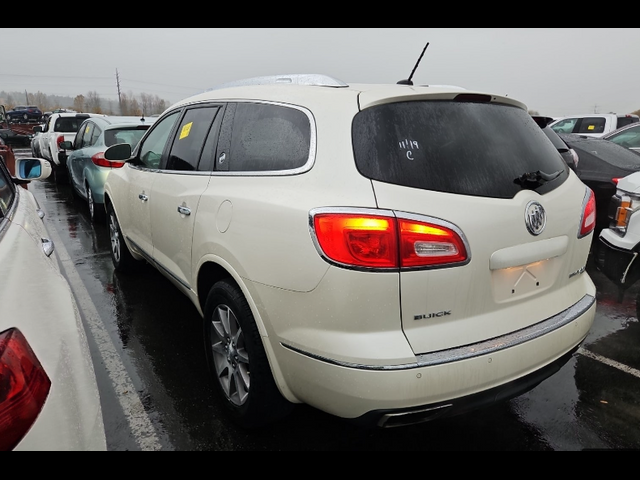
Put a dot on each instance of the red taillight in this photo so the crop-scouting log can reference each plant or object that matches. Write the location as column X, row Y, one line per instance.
column 588, row 220
column 385, row 242
column 616, row 180
column 99, row 160
column 59, row 141
column 24, row 386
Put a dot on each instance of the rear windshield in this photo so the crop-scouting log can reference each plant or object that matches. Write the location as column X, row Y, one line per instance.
column 68, row 124
column 465, row 148
column 125, row 135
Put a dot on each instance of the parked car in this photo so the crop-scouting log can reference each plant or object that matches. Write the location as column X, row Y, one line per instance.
column 25, row 113
column 619, row 243
column 15, row 139
column 569, row 154
column 348, row 250
column 627, row 136
column 602, row 163
column 49, row 398
column 87, row 169
column 59, row 127
column 593, row 124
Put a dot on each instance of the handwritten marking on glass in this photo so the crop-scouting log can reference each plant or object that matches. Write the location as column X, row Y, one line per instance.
column 409, row 146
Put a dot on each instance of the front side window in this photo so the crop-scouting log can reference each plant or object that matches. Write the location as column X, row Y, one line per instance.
column 565, row 126
column 151, row 149
column 190, row 137
column 269, row 138
column 87, row 132
column 468, row 148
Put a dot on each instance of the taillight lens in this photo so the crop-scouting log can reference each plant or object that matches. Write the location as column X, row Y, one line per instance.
column 99, row 160
column 588, row 220
column 371, row 241
column 59, row 141
column 24, row 386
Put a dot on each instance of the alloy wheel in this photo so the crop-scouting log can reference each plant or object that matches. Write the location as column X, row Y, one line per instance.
column 92, row 205
column 114, row 235
column 230, row 357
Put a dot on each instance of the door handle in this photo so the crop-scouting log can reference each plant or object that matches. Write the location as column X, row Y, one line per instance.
column 184, row 210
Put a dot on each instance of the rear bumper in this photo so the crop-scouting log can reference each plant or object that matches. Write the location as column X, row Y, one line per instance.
column 439, row 384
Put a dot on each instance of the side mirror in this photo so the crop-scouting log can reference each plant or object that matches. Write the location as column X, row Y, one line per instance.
column 119, row 152
column 37, row 129
column 66, row 145
column 32, row 169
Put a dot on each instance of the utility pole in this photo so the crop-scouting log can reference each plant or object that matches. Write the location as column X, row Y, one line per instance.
column 119, row 96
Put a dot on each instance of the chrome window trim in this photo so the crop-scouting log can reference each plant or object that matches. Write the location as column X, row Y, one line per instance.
column 254, row 173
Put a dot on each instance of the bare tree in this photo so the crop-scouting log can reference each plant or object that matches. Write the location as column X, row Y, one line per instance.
column 93, row 102
column 79, row 103
column 146, row 102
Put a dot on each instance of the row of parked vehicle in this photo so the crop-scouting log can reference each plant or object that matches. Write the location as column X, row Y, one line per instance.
column 350, row 246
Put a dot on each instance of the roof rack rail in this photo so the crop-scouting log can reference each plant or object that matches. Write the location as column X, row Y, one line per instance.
column 313, row 79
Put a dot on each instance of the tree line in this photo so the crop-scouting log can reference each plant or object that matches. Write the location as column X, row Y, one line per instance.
column 128, row 103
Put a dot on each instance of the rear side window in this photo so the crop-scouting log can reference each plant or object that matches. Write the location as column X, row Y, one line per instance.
column 591, row 125
column 269, row 138
column 465, row 148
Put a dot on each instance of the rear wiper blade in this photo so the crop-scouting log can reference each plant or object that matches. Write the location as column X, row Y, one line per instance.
column 535, row 179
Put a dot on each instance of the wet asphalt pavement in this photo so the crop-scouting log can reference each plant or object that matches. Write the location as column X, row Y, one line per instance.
column 146, row 343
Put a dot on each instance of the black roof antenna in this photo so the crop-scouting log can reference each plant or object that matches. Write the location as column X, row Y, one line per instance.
column 408, row 80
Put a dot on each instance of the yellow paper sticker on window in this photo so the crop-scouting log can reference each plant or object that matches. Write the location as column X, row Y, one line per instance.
column 185, row 130
column 591, row 127
column 86, row 129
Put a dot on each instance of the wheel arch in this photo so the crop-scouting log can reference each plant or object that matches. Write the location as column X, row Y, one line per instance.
column 212, row 271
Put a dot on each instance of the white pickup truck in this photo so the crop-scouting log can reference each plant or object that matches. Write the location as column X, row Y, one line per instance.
column 618, row 248
column 47, row 139
column 592, row 124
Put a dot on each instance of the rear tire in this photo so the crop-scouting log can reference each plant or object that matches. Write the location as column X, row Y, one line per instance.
column 96, row 210
column 122, row 259
column 237, row 360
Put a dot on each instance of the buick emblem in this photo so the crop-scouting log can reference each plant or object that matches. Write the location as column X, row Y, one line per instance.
column 534, row 218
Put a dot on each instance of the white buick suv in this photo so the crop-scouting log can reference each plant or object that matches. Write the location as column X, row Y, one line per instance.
column 389, row 254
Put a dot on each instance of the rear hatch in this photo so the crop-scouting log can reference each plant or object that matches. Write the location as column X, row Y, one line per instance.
column 486, row 172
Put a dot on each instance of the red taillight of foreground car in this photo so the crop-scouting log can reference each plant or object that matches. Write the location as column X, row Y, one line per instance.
column 385, row 242
column 99, row 160
column 24, row 386
column 588, row 220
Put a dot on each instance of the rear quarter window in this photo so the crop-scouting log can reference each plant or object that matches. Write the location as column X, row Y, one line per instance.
column 269, row 137
column 454, row 147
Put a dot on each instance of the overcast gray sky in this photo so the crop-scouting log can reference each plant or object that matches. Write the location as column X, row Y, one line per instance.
column 555, row 71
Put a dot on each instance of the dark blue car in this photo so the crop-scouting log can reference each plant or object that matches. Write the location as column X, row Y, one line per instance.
column 23, row 114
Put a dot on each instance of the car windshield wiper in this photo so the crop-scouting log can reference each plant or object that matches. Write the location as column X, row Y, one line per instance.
column 535, row 179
